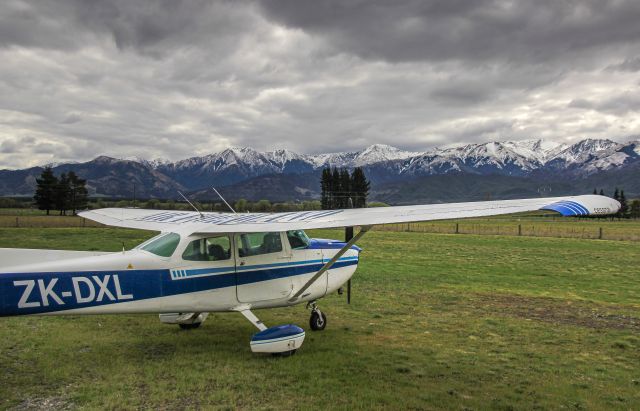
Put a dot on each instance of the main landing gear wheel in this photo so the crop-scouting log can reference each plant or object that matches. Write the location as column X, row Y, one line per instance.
column 189, row 326
column 284, row 354
column 318, row 320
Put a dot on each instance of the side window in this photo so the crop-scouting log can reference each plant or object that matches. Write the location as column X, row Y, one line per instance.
column 297, row 239
column 208, row 249
column 259, row 243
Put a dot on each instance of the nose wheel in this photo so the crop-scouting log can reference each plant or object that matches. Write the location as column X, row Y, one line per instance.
column 318, row 320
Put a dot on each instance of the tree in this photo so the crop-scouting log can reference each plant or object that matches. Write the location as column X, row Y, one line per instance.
column 601, row 192
column 624, row 207
column 344, row 193
column 359, row 188
column 335, row 189
column 262, row 206
column 77, row 192
column 46, row 190
column 61, row 196
column 241, row 205
column 325, row 189
column 616, row 194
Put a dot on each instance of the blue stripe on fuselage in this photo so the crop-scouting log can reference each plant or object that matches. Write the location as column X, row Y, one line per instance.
column 83, row 289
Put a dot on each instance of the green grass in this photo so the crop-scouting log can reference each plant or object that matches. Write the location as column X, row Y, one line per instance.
column 436, row 322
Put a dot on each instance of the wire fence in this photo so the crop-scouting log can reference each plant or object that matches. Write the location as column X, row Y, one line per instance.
column 619, row 232
column 44, row 221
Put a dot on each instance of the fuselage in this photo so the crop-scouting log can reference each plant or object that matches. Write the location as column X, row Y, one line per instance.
column 173, row 273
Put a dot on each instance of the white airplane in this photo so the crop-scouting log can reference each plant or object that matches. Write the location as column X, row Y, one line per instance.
column 213, row 262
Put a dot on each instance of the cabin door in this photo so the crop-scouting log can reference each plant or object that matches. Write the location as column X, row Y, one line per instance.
column 263, row 267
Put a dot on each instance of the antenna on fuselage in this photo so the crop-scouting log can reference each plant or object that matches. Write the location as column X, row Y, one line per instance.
column 191, row 204
column 225, row 201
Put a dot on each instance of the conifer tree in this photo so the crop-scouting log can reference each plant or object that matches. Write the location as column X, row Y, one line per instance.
column 616, row 194
column 78, row 193
column 345, row 189
column 61, row 196
column 335, row 189
column 624, row 207
column 46, row 190
column 359, row 188
column 325, row 188
column 595, row 191
column 601, row 192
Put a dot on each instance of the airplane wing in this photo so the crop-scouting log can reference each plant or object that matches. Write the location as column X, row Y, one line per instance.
column 189, row 222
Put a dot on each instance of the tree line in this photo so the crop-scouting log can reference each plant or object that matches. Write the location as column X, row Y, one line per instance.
column 65, row 193
column 341, row 189
column 626, row 210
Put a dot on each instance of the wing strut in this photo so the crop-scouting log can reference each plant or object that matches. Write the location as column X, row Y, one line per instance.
column 254, row 320
column 330, row 263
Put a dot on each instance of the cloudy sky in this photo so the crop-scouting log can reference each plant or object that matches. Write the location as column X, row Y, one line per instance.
column 175, row 79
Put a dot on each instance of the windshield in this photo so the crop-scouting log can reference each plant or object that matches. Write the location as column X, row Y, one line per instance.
column 163, row 245
column 298, row 239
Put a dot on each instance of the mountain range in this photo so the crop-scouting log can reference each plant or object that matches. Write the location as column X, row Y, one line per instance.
column 468, row 172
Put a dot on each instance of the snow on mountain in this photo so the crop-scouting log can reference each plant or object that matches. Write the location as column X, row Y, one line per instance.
column 540, row 150
column 380, row 152
column 584, row 150
column 612, row 158
column 506, row 158
column 384, row 162
column 333, row 159
column 284, row 156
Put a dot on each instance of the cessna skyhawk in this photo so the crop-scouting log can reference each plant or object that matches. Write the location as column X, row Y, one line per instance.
column 212, row 262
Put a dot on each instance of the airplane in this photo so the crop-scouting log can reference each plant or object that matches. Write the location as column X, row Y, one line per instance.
column 204, row 262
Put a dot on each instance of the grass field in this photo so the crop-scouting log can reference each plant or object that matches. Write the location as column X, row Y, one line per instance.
column 436, row 322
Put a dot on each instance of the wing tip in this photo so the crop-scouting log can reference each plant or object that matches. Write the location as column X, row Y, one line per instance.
column 584, row 205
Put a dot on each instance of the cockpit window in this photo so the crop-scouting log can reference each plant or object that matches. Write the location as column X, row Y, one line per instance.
column 208, row 249
column 163, row 245
column 298, row 239
column 258, row 243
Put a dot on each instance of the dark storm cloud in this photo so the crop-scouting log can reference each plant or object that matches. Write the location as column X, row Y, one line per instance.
column 463, row 30
column 176, row 79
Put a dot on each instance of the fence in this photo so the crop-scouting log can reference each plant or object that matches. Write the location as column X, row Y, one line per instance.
column 43, row 221
column 579, row 229
column 630, row 232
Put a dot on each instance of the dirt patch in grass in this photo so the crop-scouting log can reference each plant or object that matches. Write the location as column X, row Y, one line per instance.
column 49, row 403
column 556, row 311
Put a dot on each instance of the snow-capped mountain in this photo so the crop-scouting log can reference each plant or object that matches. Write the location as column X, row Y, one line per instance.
column 383, row 164
column 373, row 154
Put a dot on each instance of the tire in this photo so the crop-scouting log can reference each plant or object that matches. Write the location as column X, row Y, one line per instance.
column 189, row 326
column 318, row 322
column 284, row 354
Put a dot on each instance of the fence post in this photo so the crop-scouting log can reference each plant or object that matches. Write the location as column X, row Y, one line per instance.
column 600, row 234
column 17, row 222
column 519, row 229
column 457, row 229
column 84, row 220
